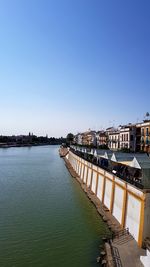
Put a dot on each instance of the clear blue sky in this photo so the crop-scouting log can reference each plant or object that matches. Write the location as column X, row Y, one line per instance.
column 70, row 65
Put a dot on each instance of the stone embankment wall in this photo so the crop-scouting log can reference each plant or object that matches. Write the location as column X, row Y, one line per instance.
column 128, row 204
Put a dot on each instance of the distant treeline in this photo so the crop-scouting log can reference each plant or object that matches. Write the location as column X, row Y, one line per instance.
column 21, row 140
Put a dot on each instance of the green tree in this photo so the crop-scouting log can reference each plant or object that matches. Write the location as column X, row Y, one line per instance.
column 69, row 138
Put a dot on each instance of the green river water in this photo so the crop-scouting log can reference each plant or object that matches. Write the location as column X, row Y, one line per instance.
column 45, row 217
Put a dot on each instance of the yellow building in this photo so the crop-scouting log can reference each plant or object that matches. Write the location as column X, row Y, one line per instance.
column 145, row 136
column 89, row 138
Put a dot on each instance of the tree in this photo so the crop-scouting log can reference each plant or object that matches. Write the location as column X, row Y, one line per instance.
column 69, row 138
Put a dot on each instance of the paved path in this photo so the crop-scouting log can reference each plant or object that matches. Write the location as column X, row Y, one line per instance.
column 129, row 251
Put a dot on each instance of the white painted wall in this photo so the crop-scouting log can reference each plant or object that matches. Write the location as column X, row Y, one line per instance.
column 89, row 177
column 146, row 231
column 107, row 196
column 73, row 163
column 79, row 170
column 133, row 207
column 94, row 180
column 133, row 215
column 146, row 259
column 82, row 172
column 118, row 203
column 137, row 191
column 85, row 174
column 76, row 165
column 100, row 186
column 119, row 181
column 109, row 175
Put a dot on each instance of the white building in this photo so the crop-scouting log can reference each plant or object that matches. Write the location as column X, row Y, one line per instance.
column 101, row 139
column 78, row 139
column 113, row 140
column 128, row 137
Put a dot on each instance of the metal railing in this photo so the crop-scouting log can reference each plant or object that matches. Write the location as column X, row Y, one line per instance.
column 124, row 172
column 116, row 256
column 123, row 232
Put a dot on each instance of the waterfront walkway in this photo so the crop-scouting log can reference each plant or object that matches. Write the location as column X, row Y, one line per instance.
column 129, row 252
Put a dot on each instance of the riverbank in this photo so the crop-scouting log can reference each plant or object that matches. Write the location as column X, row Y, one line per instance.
column 63, row 151
column 25, row 145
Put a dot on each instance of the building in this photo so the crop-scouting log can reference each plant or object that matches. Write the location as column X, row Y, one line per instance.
column 109, row 130
column 145, row 136
column 138, row 137
column 114, row 140
column 128, row 137
column 89, row 138
column 78, row 139
column 101, row 139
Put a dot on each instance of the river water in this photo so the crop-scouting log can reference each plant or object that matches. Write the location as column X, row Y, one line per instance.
column 45, row 217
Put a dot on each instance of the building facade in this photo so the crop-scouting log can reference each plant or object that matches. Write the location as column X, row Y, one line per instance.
column 101, row 139
column 78, row 139
column 145, row 136
column 114, row 140
column 89, row 138
column 128, row 137
column 132, row 137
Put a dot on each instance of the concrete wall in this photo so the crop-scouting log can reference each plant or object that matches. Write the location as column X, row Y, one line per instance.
column 108, row 192
column 89, row 177
column 129, row 205
column 94, row 182
column 100, row 186
column 85, row 174
column 133, row 215
column 82, row 171
column 146, row 259
column 118, row 203
column 146, row 230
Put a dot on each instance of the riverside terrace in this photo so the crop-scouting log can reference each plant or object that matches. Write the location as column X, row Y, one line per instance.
column 139, row 177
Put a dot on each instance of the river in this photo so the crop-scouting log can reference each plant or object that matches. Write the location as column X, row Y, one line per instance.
column 46, row 220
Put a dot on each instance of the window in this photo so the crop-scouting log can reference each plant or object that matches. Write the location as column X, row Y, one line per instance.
column 147, row 132
column 142, row 131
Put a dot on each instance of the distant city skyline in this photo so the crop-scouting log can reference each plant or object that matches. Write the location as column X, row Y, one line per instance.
column 67, row 66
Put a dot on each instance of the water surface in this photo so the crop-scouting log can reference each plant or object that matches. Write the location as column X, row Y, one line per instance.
column 45, row 217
